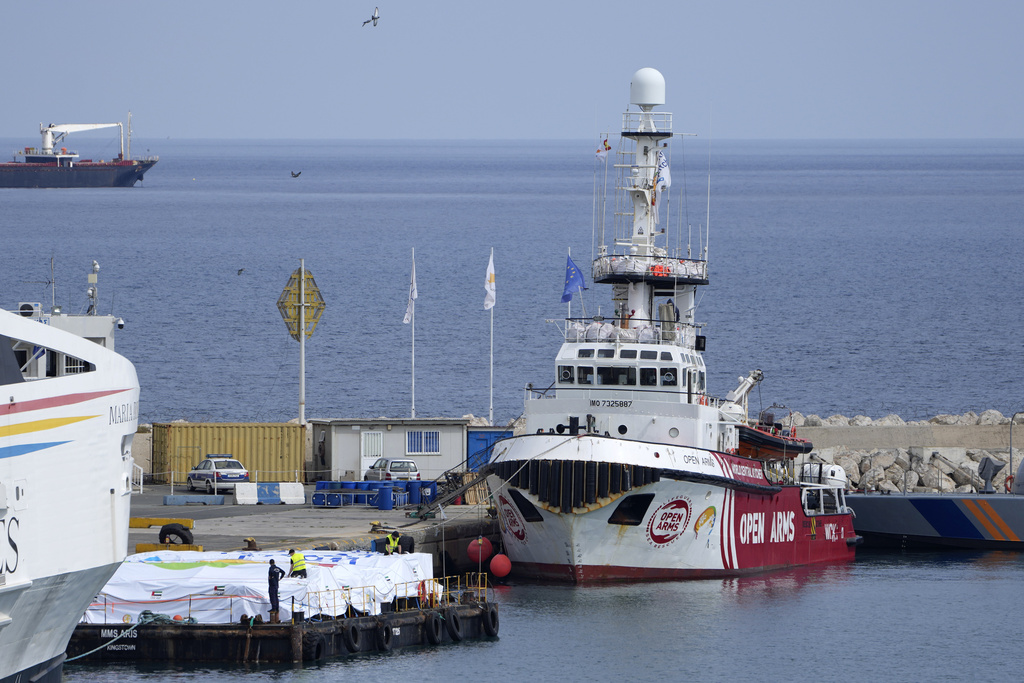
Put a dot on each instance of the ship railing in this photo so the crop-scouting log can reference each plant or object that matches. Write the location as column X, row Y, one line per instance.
column 610, row 265
column 630, row 331
column 138, row 474
column 210, row 607
column 647, row 122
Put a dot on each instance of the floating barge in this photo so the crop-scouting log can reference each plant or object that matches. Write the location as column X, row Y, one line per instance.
column 310, row 640
column 189, row 606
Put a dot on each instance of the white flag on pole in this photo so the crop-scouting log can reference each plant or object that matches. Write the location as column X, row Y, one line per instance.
column 662, row 183
column 412, row 295
column 489, row 285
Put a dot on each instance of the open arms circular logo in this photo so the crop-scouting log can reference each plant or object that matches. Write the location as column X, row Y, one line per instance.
column 668, row 522
column 514, row 524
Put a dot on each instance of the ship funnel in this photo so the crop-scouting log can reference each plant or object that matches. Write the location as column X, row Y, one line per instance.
column 647, row 89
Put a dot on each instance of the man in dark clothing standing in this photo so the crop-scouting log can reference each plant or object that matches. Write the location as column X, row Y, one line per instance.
column 273, row 578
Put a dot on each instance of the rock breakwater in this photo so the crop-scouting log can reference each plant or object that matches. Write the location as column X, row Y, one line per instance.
column 890, row 454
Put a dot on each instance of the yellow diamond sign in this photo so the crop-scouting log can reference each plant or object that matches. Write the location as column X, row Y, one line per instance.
column 291, row 301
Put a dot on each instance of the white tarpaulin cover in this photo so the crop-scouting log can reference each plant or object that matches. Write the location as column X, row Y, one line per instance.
column 219, row 587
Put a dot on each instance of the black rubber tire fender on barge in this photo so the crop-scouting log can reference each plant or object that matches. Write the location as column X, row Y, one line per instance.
column 490, row 621
column 432, row 626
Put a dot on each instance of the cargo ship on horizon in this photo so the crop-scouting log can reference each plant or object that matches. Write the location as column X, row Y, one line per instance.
column 49, row 167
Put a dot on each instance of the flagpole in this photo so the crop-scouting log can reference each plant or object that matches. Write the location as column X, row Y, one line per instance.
column 490, row 412
column 302, row 342
column 413, row 320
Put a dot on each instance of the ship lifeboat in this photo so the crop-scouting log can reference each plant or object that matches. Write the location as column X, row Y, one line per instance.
column 769, row 440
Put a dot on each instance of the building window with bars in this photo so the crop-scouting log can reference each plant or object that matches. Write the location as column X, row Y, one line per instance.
column 423, row 443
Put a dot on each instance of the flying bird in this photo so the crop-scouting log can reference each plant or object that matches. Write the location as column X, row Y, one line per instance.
column 374, row 18
column 296, row 175
column 240, row 270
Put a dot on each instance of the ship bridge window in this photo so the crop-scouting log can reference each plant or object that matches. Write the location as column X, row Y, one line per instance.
column 668, row 377
column 666, row 355
column 586, row 374
column 606, row 353
column 700, row 382
column 648, row 377
column 627, row 353
column 616, row 375
column 585, row 353
column 565, row 374
column 648, row 355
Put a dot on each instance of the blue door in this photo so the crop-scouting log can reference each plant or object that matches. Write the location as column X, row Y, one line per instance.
column 479, row 443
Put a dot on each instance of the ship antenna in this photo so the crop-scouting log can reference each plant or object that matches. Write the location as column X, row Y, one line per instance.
column 707, row 228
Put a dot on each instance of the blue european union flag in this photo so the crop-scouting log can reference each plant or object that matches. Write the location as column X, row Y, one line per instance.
column 573, row 280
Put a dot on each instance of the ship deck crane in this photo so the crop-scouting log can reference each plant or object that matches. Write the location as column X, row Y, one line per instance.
column 55, row 132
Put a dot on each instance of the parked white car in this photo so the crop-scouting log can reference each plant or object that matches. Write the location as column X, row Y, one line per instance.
column 389, row 469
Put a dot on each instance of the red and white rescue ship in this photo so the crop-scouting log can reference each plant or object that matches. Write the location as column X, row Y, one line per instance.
column 631, row 470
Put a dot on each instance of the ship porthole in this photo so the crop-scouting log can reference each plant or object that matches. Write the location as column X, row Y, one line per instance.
column 707, row 495
column 622, row 429
column 673, row 432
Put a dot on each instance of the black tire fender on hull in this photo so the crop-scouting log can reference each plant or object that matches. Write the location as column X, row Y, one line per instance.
column 490, row 620
column 453, row 623
column 350, row 634
column 432, row 626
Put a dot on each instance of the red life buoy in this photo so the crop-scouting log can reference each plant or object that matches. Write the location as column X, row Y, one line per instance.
column 1008, row 484
column 426, row 597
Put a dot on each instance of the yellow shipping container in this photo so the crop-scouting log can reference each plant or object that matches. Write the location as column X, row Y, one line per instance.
column 271, row 451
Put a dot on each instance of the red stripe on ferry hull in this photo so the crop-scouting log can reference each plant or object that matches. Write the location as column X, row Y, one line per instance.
column 594, row 574
column 55, row 401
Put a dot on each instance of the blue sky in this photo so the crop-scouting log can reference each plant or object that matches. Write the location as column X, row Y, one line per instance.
column 529, row 69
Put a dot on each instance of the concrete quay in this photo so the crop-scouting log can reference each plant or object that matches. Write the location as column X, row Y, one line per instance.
column 225, row 527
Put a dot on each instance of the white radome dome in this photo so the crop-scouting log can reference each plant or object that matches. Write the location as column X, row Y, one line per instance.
column 647, row 88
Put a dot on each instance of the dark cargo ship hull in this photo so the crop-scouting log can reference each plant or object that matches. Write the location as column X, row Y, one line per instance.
column 114, row 174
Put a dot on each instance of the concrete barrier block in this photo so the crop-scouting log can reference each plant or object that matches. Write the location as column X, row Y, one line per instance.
column 292, row 493
column 246, row 494
column 268, row 494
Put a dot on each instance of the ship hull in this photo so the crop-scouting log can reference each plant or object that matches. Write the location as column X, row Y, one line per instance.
column 65, row 491
column 671, row 521
column 923, row 520
column 114, row 174
column 50, row 671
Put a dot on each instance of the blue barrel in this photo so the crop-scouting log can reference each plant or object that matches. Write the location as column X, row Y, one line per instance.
column 319, row 499
column 414, row 492
column 384, row 498
column 333, row 500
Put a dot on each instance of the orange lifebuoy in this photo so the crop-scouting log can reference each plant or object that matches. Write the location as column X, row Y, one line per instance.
column 1008, row 484
column 426, row 598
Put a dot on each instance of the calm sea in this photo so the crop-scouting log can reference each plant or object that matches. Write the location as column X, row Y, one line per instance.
column 886, row 617
column 861, row 277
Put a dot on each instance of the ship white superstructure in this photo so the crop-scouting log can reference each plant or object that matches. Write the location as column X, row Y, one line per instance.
column 68, row 413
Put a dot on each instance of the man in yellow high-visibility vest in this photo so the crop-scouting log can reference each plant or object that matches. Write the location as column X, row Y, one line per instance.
column 298, row 563
column 393, row 545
